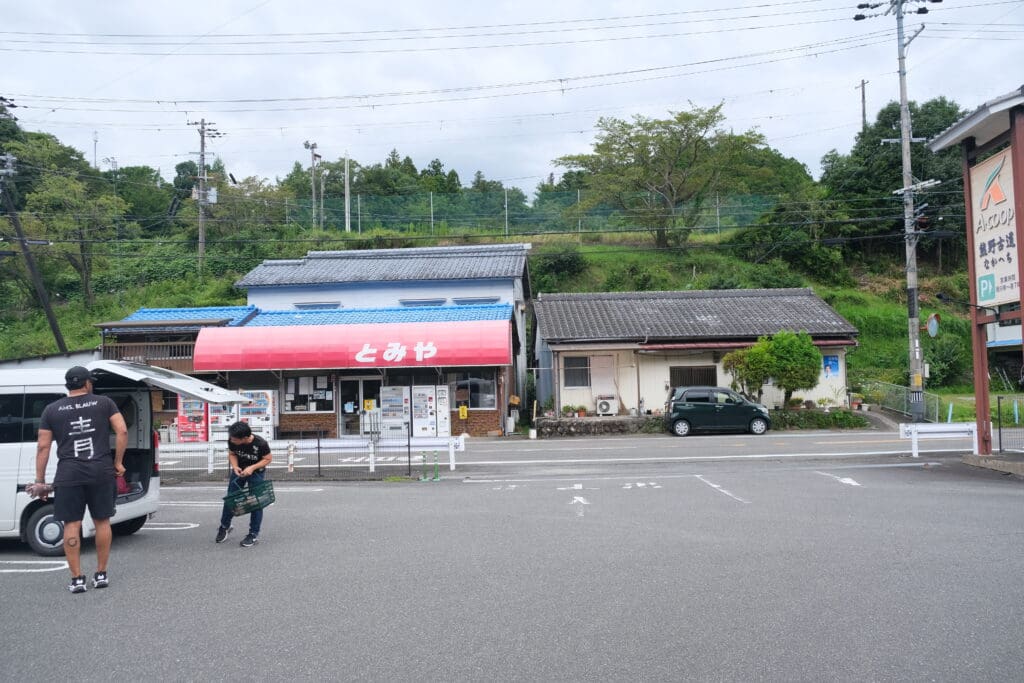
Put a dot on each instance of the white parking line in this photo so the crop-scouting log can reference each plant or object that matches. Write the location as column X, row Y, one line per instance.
column 718, row 488
column 50, row 566
column 170, row 526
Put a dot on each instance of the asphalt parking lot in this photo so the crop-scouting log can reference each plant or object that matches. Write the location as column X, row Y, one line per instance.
column 811, row 570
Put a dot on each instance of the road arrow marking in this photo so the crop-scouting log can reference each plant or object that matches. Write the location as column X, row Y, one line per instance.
column 842, row 480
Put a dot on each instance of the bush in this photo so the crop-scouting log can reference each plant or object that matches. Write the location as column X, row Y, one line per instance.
column 816, row 419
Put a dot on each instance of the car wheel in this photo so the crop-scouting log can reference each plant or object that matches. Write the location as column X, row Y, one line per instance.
column 129, row 527
column 680, row 427
column 758, row 425
column 45, row 533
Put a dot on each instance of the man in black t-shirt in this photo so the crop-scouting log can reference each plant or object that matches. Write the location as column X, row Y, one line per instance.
column 248, row 457
column 81, row 424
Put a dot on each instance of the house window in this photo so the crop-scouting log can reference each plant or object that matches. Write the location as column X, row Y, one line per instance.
column 309, row 394
column 317, row 305
column 168, row 400
column 475, row 300
column 693, row 375
column 476, row 389
column 422, row 302
column 577, row 371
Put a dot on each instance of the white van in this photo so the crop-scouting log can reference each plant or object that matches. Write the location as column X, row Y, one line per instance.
column 24, row 394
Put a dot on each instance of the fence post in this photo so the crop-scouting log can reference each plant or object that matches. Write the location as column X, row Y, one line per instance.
column 209, row 458
column 318, row 472
column 999, row 420
column 373, row 456
column 451, row 454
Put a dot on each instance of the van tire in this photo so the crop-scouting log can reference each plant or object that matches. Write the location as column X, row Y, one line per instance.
column 129, row 527
column 44, row 533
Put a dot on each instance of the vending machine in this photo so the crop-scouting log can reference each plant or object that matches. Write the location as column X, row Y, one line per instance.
column 444, row 411
column 192, row 420
column 394, row 412
column 260, row 413
column 424, row 410
column 221, row 417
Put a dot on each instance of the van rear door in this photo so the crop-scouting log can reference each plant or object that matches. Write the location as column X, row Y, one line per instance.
column 170, row 380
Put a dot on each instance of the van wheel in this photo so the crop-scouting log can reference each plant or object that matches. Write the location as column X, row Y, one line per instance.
column 680, row 427
column 45, row 533
column 129, row 527
column 758, row 426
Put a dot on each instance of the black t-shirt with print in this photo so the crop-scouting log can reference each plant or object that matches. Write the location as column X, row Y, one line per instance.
column 81, row 427
column 250, row 453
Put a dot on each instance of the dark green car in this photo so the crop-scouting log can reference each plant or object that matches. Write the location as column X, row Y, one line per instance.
column 713, row 409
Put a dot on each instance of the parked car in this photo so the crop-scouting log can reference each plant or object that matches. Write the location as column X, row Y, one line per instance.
column 713, row 409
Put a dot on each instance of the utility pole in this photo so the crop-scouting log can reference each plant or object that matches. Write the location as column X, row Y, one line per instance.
column 313, row 156
column 205, row 131
column 95, row 140
column 863, row 104
column 323, row 175
column 348, row 204
column 44, row 300
column 897, row 7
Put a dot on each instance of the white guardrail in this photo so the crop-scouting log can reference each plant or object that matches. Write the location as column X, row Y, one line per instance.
column 306, row 453
column 938, row 430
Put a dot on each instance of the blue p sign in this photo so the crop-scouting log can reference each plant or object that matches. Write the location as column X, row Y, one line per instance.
column 986, row 287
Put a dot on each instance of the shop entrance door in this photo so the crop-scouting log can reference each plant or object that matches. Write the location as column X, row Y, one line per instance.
column 357, row 415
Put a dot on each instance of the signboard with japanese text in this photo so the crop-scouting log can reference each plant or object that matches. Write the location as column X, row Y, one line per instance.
column 995, row 231
column 397, row 345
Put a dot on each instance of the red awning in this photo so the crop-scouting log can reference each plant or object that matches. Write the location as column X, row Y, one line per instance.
column 321, row 347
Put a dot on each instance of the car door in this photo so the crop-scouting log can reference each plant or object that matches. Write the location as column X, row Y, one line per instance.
column 730, row 410
column 698, row 410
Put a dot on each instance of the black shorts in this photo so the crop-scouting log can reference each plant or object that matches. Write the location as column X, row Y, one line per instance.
column 69, row 501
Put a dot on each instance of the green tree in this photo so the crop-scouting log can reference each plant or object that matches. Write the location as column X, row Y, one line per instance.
column 147, row 195
column 77, row 223
column 862, row 182
column 796, row 362
column 750, row 368
column 659, row 172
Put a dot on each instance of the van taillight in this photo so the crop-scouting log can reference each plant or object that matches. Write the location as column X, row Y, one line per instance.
column 156, row 453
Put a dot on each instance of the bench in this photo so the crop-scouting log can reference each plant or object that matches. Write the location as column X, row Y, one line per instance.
column 939, row 430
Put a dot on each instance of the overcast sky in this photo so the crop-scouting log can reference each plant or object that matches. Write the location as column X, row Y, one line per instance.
column 502, row 87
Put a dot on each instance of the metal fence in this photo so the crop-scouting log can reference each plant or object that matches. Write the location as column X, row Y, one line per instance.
column 897, row 398
column 312, row 454
column 1009, row 422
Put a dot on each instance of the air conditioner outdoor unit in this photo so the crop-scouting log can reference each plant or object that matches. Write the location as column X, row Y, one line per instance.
column 607, row 405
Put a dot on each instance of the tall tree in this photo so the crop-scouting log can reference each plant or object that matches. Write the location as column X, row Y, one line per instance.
column 796, row 362
column 659, row 172
column 147, row 195
column 77, row 223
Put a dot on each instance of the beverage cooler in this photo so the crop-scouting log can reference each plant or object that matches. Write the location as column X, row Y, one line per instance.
column 394, row 412
column 193, row 420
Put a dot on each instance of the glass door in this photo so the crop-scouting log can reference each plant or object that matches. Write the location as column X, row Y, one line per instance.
column 356, row 413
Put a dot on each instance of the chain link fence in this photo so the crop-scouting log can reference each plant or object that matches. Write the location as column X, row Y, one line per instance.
column 1009, row 424
column 896, row 397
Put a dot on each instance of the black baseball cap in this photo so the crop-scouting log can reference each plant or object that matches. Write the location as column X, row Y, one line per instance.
column 76, row 377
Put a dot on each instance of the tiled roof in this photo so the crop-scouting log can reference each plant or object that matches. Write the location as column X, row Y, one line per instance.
column 477, row 262
column 417, row 314
column 236, row 314
column 694, row 315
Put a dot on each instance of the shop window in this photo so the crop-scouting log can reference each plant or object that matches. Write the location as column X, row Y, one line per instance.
column 310, row 394
column 477, row 389
column 168, row 400
column 577, row 371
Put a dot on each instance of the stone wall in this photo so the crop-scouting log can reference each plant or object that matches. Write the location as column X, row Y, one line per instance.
column 582, row 426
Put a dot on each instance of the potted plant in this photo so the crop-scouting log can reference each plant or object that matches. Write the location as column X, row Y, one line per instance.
column 856, row 400
column 581, row 411
column 567, row 411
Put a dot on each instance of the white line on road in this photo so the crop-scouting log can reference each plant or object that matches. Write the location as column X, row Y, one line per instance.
column 170, row 526
column 57, row 565
column 718, row 488
column 842, row 480
column 699, row 458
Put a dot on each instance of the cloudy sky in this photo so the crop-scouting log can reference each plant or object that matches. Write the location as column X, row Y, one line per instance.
column 502, row 87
